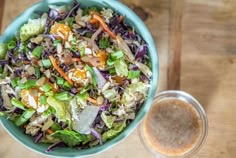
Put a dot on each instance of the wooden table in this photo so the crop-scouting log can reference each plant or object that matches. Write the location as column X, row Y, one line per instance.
column 195, row 41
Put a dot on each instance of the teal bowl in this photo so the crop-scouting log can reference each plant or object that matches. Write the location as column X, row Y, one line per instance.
column 133, row 20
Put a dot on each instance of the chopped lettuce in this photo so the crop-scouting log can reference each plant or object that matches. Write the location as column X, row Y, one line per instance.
column 110, row 94
column 108, row 120
column 82, row 99
column 117, row 55
column 60, row 107
column 49, row 111
column 88, row 9
column 133, row 74
column 116, row 129
column 88, row 139
column 144, row 69
column 33, row 27
column 74, row 108
column 55, row 126
column 2, row 114
column 121, row 68
column 85, row 120
column 3, row 51
column 69, row 21
column 93, row 143
column 130, row 95
column 24, row 117
column 82, row 96
column 104, row 43
column 71, row 138
column 48, row 139
column 125, row 48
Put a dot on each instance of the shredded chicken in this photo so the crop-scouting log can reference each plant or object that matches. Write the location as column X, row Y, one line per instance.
column 32, row 130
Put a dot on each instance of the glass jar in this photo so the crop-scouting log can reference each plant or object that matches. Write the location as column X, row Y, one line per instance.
column 147, row 136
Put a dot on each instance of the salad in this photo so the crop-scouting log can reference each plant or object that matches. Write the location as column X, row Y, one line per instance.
column 74, row 77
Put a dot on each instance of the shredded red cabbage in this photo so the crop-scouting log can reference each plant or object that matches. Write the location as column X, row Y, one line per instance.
column 96, row 135
column 142, row 51
column 38, row 138
column 55, row 145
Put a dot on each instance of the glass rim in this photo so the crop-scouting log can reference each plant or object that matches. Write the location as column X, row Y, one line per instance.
column 202, row 116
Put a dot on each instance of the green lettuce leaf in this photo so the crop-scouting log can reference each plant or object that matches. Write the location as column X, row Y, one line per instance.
column 116, row 129
column 108, row 120
column 48, row 139
column 3, row 51
column 121, row 68
column 104, row 43
column 129, row 96
column 62, row 112
column 2, row 114
column 85, row 119
column 49, row 111
column 33, row 27
column 71, row 138
column 69, row 21
column 94, row 78
column 110, row 94
column 89, row 137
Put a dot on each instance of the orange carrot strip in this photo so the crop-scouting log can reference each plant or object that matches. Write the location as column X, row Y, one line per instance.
column 93, row 21
column 59, row 70
column 49, row 131
column 92, row 100
column 104, row 25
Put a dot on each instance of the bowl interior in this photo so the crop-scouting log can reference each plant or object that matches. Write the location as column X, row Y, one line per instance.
column 130, row 18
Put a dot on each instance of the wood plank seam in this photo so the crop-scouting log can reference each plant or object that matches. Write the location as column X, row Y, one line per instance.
column 175, row 44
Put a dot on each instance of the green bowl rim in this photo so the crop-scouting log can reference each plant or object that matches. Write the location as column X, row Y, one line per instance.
column 142, row 112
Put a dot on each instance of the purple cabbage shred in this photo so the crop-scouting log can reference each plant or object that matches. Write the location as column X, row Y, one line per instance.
column 18, row 72
column 96, row 135
column 3, row 62
column 74, row 9
column 75, row 54
column 55, row 145
column 133, row 67
column 105, row 107
column 114, row 21
column 105, row 75
column 38, row 138
column 91, row 28
column 141, row 52
column 18, row 111
column 74, row 90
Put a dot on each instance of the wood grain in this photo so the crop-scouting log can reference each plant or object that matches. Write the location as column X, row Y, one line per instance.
column 175, row 44
column 208, row 71
column 2, row 2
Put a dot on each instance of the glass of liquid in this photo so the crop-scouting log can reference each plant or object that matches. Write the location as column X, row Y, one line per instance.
column 175, row 126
